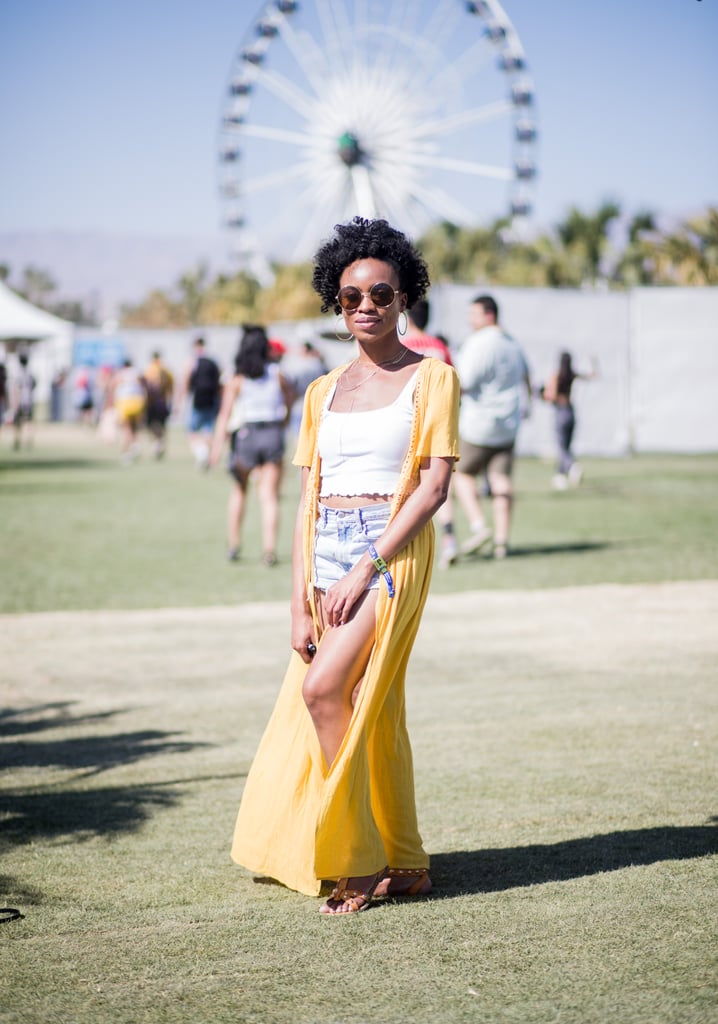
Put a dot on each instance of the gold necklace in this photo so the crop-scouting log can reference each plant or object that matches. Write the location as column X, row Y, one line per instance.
column 387, row 362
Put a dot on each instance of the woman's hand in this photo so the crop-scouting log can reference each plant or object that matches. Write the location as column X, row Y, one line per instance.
column 342, row 596
column 303, row 634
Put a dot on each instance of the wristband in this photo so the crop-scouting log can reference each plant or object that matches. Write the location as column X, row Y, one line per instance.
column 381, row 566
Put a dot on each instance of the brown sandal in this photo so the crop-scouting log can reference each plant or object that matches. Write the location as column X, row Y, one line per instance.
column 421, row 886
column 355, row 899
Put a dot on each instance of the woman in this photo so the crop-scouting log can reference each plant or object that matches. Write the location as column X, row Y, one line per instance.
column 254, row 413
column 557, row 390
column 127, row 394
column 331, row 793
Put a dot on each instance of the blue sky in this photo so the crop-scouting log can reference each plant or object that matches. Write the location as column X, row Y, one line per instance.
column 109, row 111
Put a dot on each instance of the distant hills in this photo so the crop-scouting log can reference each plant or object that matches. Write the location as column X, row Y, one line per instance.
column 103, row 270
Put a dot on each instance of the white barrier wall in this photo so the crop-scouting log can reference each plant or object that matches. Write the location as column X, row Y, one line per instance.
column 657, row 350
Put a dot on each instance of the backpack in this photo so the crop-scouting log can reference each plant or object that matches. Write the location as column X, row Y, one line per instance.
column 204, row 384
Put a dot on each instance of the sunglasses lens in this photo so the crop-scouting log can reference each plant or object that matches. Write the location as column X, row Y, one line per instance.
column 382, row 295
column 349, row 297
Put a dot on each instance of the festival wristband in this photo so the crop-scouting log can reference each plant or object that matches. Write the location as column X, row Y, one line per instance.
column 381, row 566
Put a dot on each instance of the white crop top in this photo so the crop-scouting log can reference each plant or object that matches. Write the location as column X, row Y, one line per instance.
column 363, row 452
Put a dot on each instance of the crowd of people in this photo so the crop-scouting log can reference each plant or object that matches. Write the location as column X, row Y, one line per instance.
column 256, row 407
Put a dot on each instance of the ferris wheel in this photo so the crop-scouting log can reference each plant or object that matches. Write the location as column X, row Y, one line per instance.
column 414, row 111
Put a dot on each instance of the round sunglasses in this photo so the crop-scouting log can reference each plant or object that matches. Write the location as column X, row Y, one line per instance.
column 349, row 297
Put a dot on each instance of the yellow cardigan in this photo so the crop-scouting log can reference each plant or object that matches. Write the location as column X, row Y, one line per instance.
column 300, row 822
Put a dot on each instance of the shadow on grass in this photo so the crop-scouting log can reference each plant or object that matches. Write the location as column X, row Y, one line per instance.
column 94, row 753
column 44, row 463
column 55, row 715
column 51, row 811
column 80, row 814
column 475, row 871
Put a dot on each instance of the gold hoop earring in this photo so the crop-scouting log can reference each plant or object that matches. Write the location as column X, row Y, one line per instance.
column 340, row 320
column 406, row 324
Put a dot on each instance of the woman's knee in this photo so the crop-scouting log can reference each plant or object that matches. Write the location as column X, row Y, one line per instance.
column 320, row 691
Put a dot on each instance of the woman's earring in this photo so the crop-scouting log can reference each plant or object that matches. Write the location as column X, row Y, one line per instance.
column 340, row 322
column 406, row 324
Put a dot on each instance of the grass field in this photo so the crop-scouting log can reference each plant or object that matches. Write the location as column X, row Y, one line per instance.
column 84, row 532
column 564, row 737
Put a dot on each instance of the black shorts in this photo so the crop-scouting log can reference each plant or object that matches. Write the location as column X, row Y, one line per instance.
column 255, row 444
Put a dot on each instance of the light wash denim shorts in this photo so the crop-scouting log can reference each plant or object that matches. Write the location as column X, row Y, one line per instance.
column 342, row 537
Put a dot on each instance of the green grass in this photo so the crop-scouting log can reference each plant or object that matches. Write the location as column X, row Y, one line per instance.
column 563, row 734
column 84, row 532
column 566, row 783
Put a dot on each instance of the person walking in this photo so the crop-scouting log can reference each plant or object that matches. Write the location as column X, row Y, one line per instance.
column 159, row 385
column 494, row 373
column 22, row 402
column 127, row 394
column 202, row 383
column 330, row 795
column 557, row 391
column 254, row 413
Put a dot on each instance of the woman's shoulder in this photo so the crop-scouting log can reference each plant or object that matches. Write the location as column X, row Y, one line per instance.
column 437, row 371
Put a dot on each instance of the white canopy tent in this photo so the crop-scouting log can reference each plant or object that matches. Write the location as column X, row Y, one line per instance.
column 23, row 325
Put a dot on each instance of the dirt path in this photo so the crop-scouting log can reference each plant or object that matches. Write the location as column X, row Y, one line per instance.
column 103, row 655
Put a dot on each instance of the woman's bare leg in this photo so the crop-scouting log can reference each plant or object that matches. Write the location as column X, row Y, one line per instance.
column 270, row 475
column 337, row 669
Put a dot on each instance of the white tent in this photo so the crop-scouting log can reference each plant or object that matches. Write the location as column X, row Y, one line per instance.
column 23, row 325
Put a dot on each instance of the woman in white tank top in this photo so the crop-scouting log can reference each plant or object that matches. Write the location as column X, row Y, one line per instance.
column 258, row 399
column 331, row 792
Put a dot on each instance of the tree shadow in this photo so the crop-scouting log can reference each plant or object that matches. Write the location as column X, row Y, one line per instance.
column 23, row 721
column 478, row 871
column 53, row 809
column 93, row 753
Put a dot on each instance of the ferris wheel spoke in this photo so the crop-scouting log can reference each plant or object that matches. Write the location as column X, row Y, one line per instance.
column 489, row 112
column 442, row 24
column 467, row 66
column 306, row 53
column 267, row 181
column 335, row 28
column 288, row 92
column 464, row 166
column 438, row 201
column 262, row 131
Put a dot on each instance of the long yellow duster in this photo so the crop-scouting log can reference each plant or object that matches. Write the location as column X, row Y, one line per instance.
column 299, row 821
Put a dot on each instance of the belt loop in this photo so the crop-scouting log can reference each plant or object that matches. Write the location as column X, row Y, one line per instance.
column 361, row 518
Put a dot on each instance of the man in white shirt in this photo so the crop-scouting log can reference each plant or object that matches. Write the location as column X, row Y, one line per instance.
column 493, row 374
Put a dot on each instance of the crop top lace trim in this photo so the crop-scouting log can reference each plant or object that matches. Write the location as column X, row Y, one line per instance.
column 363, row 452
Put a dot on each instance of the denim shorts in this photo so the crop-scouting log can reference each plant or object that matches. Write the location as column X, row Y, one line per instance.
column 342, row 537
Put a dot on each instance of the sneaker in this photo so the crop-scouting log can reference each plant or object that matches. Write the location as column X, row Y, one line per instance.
column 575, row 474
column 233, row 555
column 449, row 553
column 559, row 482
column 476, row 541
column 269, row 559
column 500, row 551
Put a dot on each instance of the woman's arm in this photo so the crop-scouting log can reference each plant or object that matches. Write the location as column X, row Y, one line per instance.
column 289, row 395
column 415, row 513
column 302, row 622
column 229, row 394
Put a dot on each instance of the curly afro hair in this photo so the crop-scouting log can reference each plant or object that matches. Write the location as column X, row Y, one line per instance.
column 362, row 239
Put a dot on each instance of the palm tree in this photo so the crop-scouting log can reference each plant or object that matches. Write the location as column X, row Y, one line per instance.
column 637, row 264
column 585, row 238
column 690, row 255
